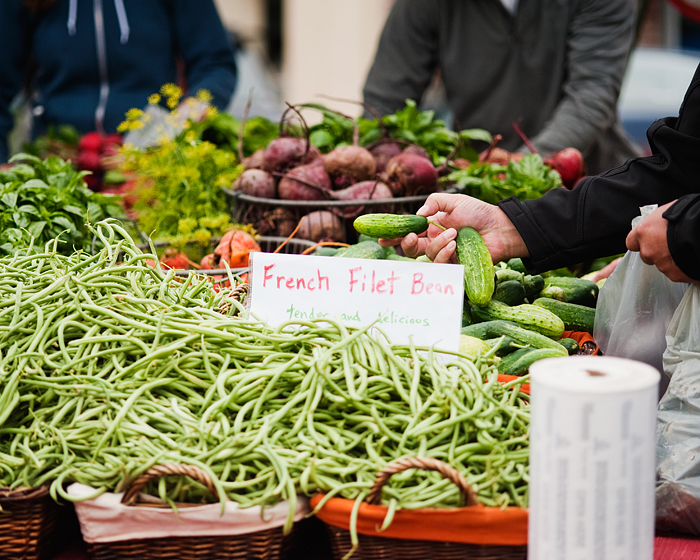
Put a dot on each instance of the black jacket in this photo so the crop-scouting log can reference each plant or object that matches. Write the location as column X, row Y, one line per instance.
column 567, row 227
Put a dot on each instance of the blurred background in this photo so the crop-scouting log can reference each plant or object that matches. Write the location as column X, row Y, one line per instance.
column 294, row 50
column 300, row 50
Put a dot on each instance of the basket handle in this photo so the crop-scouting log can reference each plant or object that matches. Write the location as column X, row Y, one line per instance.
column 131, row 494
column 426, row 463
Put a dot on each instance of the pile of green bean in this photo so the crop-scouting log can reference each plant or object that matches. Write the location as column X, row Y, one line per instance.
column 109, row 366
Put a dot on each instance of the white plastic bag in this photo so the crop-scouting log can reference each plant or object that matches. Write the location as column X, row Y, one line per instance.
column 634, row 307
column 678, row 427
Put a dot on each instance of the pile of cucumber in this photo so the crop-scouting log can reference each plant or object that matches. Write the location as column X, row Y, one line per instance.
column 519, row 316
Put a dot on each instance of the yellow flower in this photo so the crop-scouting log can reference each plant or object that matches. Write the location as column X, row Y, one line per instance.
column 133, row 114
column 204, row 96
column 154, row 99
column 171, row 90
column 123, row 126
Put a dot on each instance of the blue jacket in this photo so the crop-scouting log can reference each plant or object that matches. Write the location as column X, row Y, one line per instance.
column 96, row 59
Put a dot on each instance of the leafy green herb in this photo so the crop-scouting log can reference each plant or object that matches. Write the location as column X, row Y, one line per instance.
column 526, row 179
column 45, row 199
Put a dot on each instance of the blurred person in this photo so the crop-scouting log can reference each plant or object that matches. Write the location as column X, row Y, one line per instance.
column 593, row 220
column 93, row 60
column 551, row 67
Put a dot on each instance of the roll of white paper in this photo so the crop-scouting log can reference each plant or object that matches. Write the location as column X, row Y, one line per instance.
column 592, row 459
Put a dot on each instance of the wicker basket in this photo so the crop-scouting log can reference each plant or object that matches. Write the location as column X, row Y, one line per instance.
column 269, row 544
column 266, row 212
column 27, row 520
column 373, row 547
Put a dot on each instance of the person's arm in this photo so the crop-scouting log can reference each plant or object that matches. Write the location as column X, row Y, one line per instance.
column 407, row 56
column 600, row 38
column 206, row 50
column 683, row 234
column 14, row 27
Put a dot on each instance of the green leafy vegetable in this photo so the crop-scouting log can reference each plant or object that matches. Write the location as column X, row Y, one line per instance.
column 45, row 199
column 526, row 179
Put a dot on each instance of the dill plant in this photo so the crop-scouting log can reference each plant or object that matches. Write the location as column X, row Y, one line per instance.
column 178, row 181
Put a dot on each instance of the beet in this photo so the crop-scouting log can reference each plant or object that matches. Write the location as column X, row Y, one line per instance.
column 364, row 190
column 416, row 149
column 383, row 152
column 569, row 164
column 321, row 225
column 410, row 174
column 286, row 152
column 349, row 164
column 305, row 182
column 254, row 160
column 255, row 182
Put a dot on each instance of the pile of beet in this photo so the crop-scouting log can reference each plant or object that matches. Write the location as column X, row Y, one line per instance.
column 291, row 168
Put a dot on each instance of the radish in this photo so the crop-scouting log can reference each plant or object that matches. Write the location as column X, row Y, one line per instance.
column 410, row 174
column 89, row 161
column 569, row 164
column 90, row 142
column 305, row 182
column 255, row 182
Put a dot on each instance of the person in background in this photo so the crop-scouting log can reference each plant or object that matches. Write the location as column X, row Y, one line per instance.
column 551, row 67
column 565, row 227
column 93, row 60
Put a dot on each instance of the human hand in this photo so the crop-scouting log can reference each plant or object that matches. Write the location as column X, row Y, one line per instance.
column 456, row 211
column 649, row 239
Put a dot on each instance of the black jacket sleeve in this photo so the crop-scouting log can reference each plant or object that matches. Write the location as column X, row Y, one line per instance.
column 566, row 227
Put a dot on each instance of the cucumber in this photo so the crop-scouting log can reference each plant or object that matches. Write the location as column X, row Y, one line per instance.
column 494, row 329
column 326, row 251
column 510, row 292
column 505, row 344
column 362, row 237
column 479, row 279
column 466, row 316
column 395, row 257
column 521, row 365
column 472, row 346
column 576, row 290
column 528, row 316
column 553, row 292
column 363, row 250
column 575, row 317
column 423, row 259
column 487, row 329
column 516, row 264
column 390, row 226
column 570, row 344
column 506, row 275
column 506, row 363
column 533, row 285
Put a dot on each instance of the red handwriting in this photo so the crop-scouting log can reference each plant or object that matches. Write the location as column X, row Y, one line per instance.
column 359, row 282
column 419, row 287
column 311, row 283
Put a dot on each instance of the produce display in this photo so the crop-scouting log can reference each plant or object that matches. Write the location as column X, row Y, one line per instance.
column 110, row 366
column 114, row 359
column 45, row 199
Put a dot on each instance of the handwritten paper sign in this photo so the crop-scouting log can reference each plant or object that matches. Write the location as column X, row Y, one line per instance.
column 421, row 302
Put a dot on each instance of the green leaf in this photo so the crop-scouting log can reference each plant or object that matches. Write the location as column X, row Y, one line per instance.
column 36, row 229
column 9, row 199
column 65, row 223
